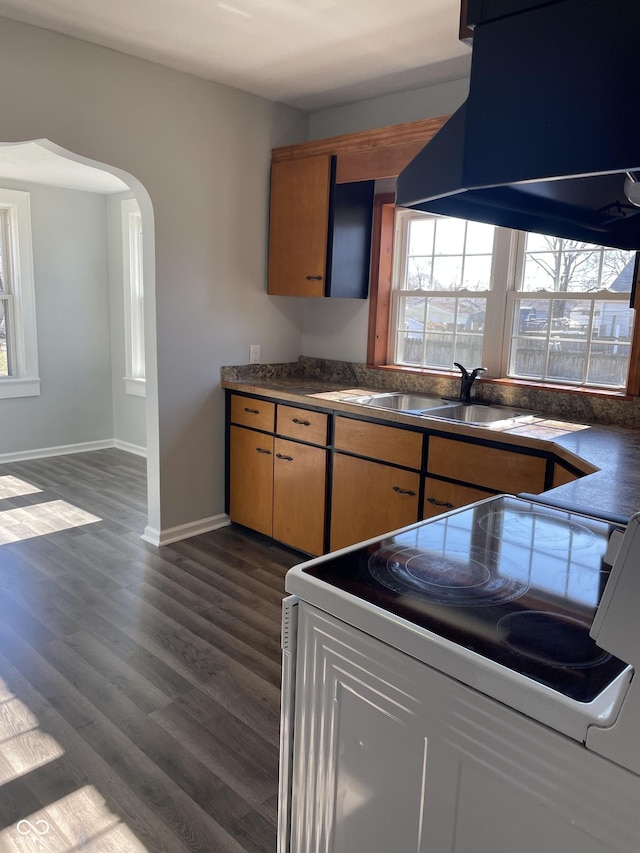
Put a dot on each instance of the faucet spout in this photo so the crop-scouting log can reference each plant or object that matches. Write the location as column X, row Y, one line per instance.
column 467, row 380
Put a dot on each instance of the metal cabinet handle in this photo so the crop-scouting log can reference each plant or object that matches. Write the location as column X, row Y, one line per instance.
column 439, row 503
column 286, row 458
column 314, row 278
column 302, row 423
column 403, row 491
column 262, row 450
column 252, row 411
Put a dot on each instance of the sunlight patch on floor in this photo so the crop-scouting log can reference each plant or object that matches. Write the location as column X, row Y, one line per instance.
column 40, row 519
column 81, row 821
column 23, row 745
column 13, row 487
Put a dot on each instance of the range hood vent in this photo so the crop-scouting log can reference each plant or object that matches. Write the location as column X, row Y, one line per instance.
column 550, row 132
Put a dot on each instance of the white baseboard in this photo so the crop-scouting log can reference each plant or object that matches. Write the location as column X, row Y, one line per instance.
column 61, row 450
column 136, row 449
column 184, row 531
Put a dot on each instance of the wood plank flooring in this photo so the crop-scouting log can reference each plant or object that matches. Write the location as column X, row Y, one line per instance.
column 139, row 687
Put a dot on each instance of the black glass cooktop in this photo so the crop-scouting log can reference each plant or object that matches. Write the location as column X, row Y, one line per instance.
column 512, row 580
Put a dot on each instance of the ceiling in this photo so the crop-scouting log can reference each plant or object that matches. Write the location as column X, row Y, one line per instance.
column 309, row 54
column 34, row 162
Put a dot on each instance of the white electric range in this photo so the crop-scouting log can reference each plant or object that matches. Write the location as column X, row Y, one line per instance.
column 501, row 622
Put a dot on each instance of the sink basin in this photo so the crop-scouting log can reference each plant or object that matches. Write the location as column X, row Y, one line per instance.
column 398, row 402
column 469, row 413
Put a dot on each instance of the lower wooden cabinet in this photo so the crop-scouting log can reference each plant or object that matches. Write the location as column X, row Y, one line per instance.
column 281, row 456
column 299, row 484
column 277, row 487
column 441, row 496
column 251, row 479
column 370, row 499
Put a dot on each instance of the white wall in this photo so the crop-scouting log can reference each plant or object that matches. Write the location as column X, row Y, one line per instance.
column 69, row 232
column 428, row 102
column 129, row 411
column 337, row 328
column 201, row 152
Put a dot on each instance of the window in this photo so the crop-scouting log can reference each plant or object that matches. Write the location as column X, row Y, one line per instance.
column 18, row 344
column 526, row 306
column 133, row 298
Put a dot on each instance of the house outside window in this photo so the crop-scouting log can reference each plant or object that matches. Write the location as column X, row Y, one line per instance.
column 526, row 306
column 18, row 342
column 133, row 298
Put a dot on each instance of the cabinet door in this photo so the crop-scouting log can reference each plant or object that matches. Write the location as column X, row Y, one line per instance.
column 441, row 496
column 251, row 479
column 298, row 226
column 299, row 495
column 370, row 499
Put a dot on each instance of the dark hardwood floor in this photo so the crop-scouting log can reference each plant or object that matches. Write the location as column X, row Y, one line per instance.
column 139, row 687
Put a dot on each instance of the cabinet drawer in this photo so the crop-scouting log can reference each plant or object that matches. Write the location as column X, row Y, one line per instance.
column 440, row 496
column 302, row 424
column 490, row 467
column 389, row 444
column 258, row 414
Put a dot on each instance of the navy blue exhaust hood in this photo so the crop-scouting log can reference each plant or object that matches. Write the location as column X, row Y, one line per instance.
column 550, row 131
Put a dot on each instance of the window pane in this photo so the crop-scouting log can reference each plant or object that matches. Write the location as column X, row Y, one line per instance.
column 566, row 266
column 572, row 340
column 3, row 230
column 447, row 273
column 450, row 234
column 480, row 238
column 609, row 364
column 477, row 272
column 418, row 274
column 421, row 233
column 450, row 330
column 4, row 339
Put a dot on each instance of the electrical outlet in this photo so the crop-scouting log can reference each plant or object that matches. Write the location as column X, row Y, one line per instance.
column 254, row 354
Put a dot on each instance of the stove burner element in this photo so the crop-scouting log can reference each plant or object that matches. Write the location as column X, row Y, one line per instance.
column 550, row 638
column 537, row 528
column 454, row 579
column 443, row 571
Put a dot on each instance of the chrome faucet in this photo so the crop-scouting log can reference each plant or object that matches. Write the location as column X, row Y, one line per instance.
column 468, row 378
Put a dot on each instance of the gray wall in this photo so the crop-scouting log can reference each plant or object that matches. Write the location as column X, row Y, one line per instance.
column 129, row 411
column 199, row 155
column 69, row 231
column 338, row 328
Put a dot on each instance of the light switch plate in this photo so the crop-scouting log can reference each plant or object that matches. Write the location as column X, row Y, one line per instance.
column 254, row 354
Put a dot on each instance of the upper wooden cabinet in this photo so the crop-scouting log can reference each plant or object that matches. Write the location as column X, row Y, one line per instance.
column 319, row 232
column 299, row 226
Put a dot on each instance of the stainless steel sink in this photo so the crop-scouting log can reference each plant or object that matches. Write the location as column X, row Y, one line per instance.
column 397, row 402
column 470, row 413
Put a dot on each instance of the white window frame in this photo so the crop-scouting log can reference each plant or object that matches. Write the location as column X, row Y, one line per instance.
column 24, row 380
column 133, row 298
column 508, row 260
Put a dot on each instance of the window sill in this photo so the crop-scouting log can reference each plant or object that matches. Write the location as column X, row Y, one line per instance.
column 507, row 382
column 19, row 388
column 135, row 387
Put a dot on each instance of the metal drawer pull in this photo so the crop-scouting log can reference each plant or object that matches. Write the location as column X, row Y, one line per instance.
column 282, row 456
column 314, row 278
column 252, row 411
column 262, row 450
column 403, row 491
column 302, row 423
column 439, row 503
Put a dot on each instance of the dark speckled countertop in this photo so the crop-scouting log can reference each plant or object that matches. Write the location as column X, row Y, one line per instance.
column 609, row 453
